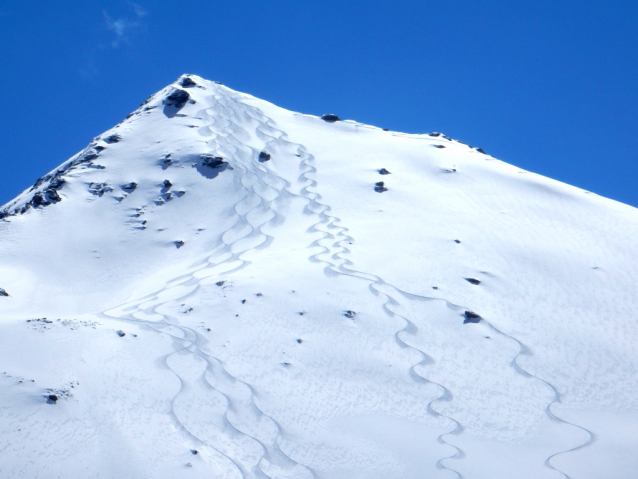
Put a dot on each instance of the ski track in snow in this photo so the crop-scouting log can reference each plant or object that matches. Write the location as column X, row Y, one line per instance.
column 258, row 182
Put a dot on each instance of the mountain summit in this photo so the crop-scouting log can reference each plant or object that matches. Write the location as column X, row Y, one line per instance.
column 218, row 287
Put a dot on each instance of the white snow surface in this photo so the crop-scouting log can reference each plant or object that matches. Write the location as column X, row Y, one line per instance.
column 241, row 344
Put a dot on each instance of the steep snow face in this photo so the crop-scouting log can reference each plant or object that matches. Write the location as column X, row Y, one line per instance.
column 218, row 287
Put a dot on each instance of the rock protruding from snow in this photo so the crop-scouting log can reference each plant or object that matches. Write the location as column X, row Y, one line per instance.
column 177, row 99
column 188, row 82
column 330, row 118
column 115, row 138
column 383, row 171
column 471, row 317
column 379, row 187
column 263, row 157
column 3, row 292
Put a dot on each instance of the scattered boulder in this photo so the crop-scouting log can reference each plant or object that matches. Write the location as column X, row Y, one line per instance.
column 115, row 138
column 243, row 301
column 350, row 314
column 188, row 82
column 57, row 183
column 121, row 333
column 480, row 150
column 263, row 156
column 167, row 184
column 435, row 134
column 38, row 200
column 457, row 241
column 386, row 129
column 471, row 317
column 177, row 99
column 472, row 280
column 52, row 398
column 300, row 341
column 179, row 244
column 220, row 283
column 99, row 189
column 3, row 292
column 52, row 195
column 330, row 118
column 212, row 161
column 129, row 187
column 379, row 187
column 438, row 146
column 194, row 452
column 383, row 171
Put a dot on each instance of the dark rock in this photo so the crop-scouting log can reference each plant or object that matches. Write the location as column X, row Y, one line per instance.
column 472, row 280
column 115, row 138
column 435, row 287
column 263, row 156
column 212, row 161
column 350, row 314
column 99, row 189
column 330, row 118
column 129, row 187
column 457, row 241
column 177, row 99
column 121, row 333
column 167, row 184
column 88, row 156
column 3, row 292
column 40, row 181
column 38, row 200
column 480, row 150
column 52, row 398
column 4, row 214
column 52, row 196
column 471, row 317
column 379, row 188
column 179, row 244
column 300, row 341
column 438, row 146
column 385, row 129
column 99, row 149
column 188, row 82
column 383, row 171
column 435, row 134
column 220, row 283
column 243, row 301
column 194, row 452
column 57, row 183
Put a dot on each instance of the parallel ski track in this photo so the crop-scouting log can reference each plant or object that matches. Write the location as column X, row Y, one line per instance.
column 343, row 266
column 229, row 105
column 229, row 147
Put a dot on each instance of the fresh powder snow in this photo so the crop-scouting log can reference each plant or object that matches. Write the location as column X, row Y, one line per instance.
column 218, row 287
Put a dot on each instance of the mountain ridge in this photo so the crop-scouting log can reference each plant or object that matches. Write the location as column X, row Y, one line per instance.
column 307, row 220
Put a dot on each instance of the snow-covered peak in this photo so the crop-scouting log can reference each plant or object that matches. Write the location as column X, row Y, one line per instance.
column 246, row 291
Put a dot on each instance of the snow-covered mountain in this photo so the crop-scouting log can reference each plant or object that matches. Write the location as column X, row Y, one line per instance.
column 218, row 287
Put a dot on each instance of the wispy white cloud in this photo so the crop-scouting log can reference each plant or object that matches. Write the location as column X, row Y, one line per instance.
column 138, row 9
column 121, row 26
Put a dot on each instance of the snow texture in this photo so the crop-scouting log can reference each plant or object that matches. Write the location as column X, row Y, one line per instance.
column 215, row 288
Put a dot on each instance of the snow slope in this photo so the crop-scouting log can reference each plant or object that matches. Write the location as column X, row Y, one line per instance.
column 282, row 319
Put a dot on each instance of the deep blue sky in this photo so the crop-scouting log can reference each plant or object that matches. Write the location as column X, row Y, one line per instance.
column 550, row 86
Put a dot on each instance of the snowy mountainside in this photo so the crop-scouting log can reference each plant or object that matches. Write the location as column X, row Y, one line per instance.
column 218, row 287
